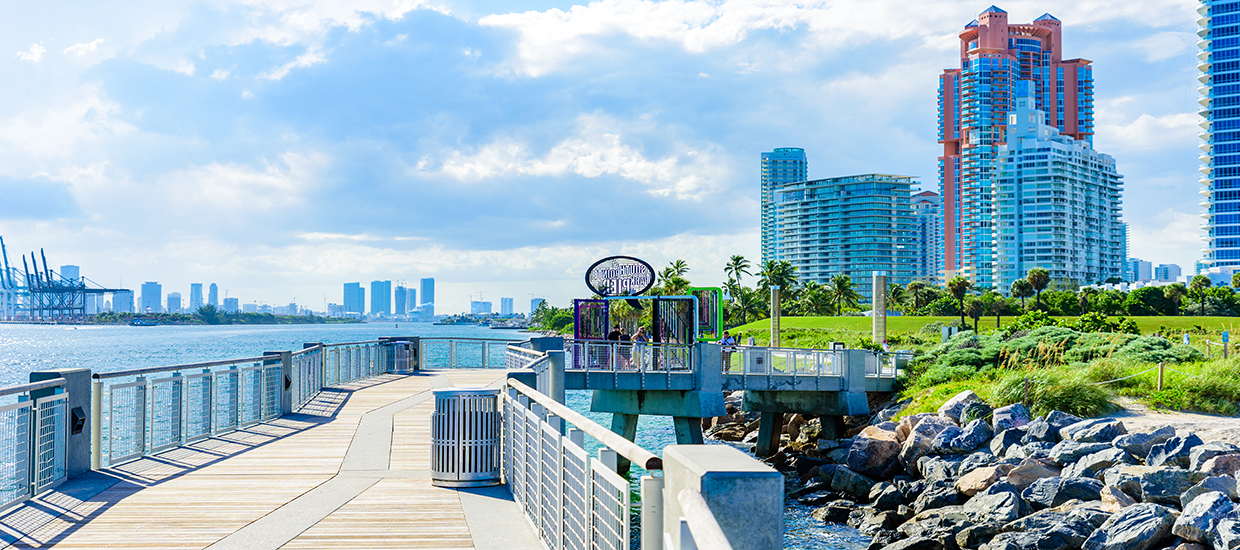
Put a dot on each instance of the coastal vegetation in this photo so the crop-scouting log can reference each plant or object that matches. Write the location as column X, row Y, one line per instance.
column 210, row 315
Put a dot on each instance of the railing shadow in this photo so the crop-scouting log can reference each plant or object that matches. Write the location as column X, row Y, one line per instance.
column 46, row 520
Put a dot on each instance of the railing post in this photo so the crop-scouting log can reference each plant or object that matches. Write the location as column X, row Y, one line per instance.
column 652, row 513
column 1160, row 376
column 555, row 375
column 79, row 440
column 288, row 378
column 96, row 424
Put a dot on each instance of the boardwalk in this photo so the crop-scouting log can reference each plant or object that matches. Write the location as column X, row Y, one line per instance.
column 352, row 471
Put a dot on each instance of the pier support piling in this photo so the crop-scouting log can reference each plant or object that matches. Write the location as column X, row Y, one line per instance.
column 770, row 427
column 625, row 425
column 688, row 430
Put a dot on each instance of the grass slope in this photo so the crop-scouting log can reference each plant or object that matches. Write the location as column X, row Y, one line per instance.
column 901, row 323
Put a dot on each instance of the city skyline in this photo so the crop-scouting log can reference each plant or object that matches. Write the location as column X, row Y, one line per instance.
column 274, row 148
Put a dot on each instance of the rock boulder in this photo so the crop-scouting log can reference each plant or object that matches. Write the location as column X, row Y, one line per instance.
column 1202, row 516
column 1138, row 527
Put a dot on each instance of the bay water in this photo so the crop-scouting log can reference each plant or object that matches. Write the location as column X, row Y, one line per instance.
column 26, row 348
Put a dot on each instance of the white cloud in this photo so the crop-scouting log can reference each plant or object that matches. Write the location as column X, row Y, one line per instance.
column 302, row 61
column 232, row 191
column 1170, row 236
column 34, row 54
column 83, row 48
column 597, row 150
column 1120, row 132
column 59, row 128
column 1166, row 45
column 219, row 74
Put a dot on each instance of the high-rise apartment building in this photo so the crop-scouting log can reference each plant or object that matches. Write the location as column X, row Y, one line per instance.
column 854, row 225
column 477, row 307
column 232, row 305
column 152, row 298
column 174, row 302
column 411, row 299
column 505, row 306
column 428, row 299
column 534, row 303
column 354, row 298
column 122, row 302
column 195, row 296
column 927, row 237
column 783, row 165
column 399, row 297
column 974, row 103
column 1137, row 270
column 213, row 295
column 381, row 297
column 1167, row 272
column 1056, row 203
column 1220, row 74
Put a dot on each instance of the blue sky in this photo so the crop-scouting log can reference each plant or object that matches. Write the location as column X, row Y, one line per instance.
column 281, row 148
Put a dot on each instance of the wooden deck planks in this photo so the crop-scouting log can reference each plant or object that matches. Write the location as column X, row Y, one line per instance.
column 193, row 496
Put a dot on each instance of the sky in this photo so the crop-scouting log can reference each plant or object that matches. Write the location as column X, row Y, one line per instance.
column 281, row 148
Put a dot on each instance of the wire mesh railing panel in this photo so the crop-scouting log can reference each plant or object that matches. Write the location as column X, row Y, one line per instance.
column 126, row 421
column 226, row 401
column 520, row 358
column 50, row 446
column 469, row 354
column 549, row 486
column 575, row 463
column 609, row 509
column 532, row 463
column 271, row 391
column 251, row 407
column 15, row 453
column 166, row 411
column 198, row 409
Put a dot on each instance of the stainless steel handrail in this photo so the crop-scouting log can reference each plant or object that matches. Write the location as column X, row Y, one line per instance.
column 702, row 524
column 153, row 370
column 33, row 386
column 364, row 342
column 612, row 440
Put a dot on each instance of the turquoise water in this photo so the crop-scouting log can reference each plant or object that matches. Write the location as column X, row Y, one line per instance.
column 26, row 348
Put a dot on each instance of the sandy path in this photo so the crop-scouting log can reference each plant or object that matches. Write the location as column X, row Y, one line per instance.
column 1139, row 418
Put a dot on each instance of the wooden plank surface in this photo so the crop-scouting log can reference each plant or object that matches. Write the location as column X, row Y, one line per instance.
column 194, row 496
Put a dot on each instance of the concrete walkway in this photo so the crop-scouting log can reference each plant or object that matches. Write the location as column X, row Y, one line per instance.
column 351, row 471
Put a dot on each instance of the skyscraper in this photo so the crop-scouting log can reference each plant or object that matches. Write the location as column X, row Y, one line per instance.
column 1056, row 203
column 174, row 302
column 428, row 299
column 505, row 306
column 399, row 298
column 213, row 295
column 927, row 236
column 70, row 273
column 412, row 299
column 152, row 298
column 381, row 297
column 852, row 225
column 232, row 305
column 534, row 303
column 195, row 296
column 1220, row 74
column 122, row 302
column 783, row 165
column 974, row 103
column 354, row 298
column 1167, row 272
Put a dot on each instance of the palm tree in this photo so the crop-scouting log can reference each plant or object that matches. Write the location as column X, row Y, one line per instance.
column 896, row 297
column 996, row 302
column 1038, row 279
column 736, row 267
column 749, row 306
column 1176, row 293
column 1235, row 280
column 1197, row 288
column 678, row 268
column 959, row 287
column 1085, row 295
column 842, row 292
column 975, row 310
column 780, row 273
column 916, row 289
column 1022, row 289
column 813, row 300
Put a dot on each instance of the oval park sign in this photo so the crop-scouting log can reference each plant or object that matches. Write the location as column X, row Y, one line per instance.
column 620, row 276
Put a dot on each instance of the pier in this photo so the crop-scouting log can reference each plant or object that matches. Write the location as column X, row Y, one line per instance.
column 330, row 446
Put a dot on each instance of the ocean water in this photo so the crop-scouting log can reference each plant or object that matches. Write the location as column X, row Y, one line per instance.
column 26, row 348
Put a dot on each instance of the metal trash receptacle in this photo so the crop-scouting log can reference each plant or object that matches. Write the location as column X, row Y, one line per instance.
column 465, row 437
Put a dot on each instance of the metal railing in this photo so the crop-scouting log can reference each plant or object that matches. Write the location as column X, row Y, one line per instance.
column 144, row 411
column 790, row 361
column 331, row 364
column 573, row 500
column 33, row 432
column 451, row 353
column 698, row 527
column 594, row 355
column 517, row 357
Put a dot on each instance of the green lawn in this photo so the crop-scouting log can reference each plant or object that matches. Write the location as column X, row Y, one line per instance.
column 1148, row 325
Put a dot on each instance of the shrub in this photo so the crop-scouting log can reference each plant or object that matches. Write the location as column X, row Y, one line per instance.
column 1053, row 390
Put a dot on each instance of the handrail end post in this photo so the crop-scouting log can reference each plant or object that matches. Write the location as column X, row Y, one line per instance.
column 96, row 424
column 652, row 513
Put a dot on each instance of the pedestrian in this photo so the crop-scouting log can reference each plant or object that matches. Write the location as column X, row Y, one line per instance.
column 639, row 340
column 728, row 345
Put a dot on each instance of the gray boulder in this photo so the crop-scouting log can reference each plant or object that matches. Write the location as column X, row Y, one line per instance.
column 1040, row 430
column 937, row 495
column 1068, row 451
column 995, row 508
column 1093, row 465
column 1139, row 444
column 955, row 406
column 1200, row 454
column 1173, row 452
column 853, row 484
column 1222, row 484
column 1005, row 439
column 936, row 468
column 1226, row 535
column 1054, row 491
column 874, row 452
column 1096, row 430
column 976, row 410
column 962, row 441
column 1202, row 515
column 1138, row 527
column 1011, row 416
column 915, row 543
column 1031, row 470
column 1222, row 465
column 885, row 496
column 1166, row 485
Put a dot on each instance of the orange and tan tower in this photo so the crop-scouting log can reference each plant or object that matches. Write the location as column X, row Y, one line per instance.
column 974, row 103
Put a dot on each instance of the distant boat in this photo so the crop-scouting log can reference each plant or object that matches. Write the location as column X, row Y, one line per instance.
column 143, row 323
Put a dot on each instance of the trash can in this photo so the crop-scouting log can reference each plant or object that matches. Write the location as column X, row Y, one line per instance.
column 465, row 437
column 401, row 354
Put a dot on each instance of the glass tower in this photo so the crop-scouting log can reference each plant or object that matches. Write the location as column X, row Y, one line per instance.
column 783, row 165
column 1220, row 91
column 974, row 103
